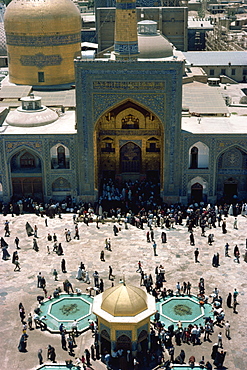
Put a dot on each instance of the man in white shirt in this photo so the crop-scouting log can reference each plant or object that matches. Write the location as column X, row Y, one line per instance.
column 227, row 329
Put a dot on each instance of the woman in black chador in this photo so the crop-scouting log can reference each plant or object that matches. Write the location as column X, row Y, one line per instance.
column 229, row 300
column 23, row 343
column 29, row 229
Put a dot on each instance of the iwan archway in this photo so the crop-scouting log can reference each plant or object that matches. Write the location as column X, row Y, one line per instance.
column 129, row 144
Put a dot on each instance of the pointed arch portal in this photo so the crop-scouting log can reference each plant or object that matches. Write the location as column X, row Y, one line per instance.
column 26, row 175
column 128, row 144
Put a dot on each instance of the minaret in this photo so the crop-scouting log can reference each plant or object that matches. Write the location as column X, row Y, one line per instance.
column 126, row 41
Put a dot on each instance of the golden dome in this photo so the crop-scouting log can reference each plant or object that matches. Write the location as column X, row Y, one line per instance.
column 124, row 300
column 43, row 37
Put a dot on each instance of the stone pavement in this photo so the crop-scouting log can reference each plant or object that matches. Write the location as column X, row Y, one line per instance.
column 128, row 247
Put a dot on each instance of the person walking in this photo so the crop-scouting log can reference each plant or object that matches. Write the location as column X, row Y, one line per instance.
column 229, row 300
column 220, row 340
column 148, row 237
column 39, row 276
column 223, row 226
column 17, row 264
column 40, row 357
column 192, row 239
column 55, row 274
column 235, row 295
column 96, row 278
column 35, row 231
column 102, row 256
column 111, row 276
column 35, row 245
column 51, row 354
column 139, row 269
column 188, row 288
column 163, row 237
column 17, row 240
column 92, row 352
column 63, row 341
column 30, row 322
column 76, row 232
column 63, row 266
column 227, row 250
column 101, row 285
column 154, row 248
column 87, row 355
column 227, row 329
column 196, row 254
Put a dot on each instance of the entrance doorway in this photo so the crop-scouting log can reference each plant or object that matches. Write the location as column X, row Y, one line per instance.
column 105, row 342
column 123, row 342
column 230, row 189
column 196, row 192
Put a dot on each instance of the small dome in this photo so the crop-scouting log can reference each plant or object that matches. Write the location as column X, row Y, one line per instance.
column 151, row 43
column 124, row 300
column 31, row 114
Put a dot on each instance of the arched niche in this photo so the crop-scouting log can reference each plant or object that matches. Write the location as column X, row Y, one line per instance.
column 231, row 177
column 25, row 161
column 197, row 190
column 198, row 155
column 61, row 185
column 60, row 157
column 123, row 342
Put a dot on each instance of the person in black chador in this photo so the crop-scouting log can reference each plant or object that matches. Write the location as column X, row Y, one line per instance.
column 22, row 347
column 29, row 229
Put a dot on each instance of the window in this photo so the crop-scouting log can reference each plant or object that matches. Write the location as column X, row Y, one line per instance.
column 61, row 156
column 107, row 146
column 41, row 77
column 194, row 157
column 27, row 161
column 198, row 155
column 233, row 71
column 223, row 71
column 211, row 72
column 152, row 145
column 244, row 72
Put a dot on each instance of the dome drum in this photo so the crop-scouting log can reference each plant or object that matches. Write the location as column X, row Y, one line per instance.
column 43, row 39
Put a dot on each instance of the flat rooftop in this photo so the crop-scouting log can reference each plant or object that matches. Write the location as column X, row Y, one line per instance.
column 203, row 99
column 216, row 58
column 215, row 125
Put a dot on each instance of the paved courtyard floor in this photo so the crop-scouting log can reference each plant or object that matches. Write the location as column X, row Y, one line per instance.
column 130, row 246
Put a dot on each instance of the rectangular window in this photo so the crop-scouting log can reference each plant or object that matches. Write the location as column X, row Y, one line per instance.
column 244, row 72
column 211, row 72
column 41, row 77
column 223, row 71
column 233, row 71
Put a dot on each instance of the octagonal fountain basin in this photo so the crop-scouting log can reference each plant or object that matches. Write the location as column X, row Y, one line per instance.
column 65, row 309
column 58, row 367
column 186, row 309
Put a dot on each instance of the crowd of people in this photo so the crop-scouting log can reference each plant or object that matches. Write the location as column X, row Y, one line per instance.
column 137, row 204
